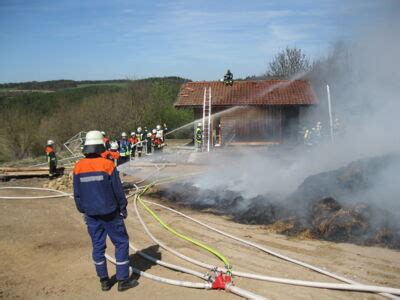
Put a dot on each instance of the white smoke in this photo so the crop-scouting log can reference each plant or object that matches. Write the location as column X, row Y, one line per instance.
column 364, row 76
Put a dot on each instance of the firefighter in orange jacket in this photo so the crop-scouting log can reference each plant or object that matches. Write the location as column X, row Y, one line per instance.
column 112, row 154
column 133, row 140
column 157, row 142
column 51, row 158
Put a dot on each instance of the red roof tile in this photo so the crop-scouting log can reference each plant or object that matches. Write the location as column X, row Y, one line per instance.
column 263, row 92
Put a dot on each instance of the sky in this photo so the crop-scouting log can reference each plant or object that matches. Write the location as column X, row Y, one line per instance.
column 199, row 40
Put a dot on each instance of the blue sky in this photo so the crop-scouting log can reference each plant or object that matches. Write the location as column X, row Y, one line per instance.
column 105, row 39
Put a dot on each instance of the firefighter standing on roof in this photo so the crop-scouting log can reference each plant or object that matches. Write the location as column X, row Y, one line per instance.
column 51, row 158
column 228, row 78
column 99, row 195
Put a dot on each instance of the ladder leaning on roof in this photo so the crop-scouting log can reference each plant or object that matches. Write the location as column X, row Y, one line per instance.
column 207, row 120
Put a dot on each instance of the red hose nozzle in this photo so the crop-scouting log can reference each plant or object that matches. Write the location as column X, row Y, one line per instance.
column 221, row 281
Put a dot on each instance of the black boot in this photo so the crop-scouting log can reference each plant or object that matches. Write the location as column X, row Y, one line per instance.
column 105, row 284
column 124, row 285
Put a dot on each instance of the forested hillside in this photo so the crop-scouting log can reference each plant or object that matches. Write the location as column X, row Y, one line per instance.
column 28, row 120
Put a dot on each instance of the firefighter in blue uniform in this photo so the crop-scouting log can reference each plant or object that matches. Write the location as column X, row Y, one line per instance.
column 124, row 149
column 99, row 195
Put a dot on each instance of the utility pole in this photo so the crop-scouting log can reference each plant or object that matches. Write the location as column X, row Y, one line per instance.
column 330, row 111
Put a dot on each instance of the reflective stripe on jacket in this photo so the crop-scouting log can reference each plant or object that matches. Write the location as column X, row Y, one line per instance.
column 199, row 135
column 97, row 187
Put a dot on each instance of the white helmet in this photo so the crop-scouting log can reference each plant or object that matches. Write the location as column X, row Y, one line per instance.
column 133, row 133
column 103, row 133
column 158, row 127
column 124, row 134
column 199, row 124
column 154, row 131
column 114, row 146
column 50, row 142
column 139, row 129
column 94, row 142
column 149, row 134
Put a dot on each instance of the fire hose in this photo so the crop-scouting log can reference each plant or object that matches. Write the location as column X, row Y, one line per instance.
column 220, row 284
column 207, row 285
column 353, row 287
column 182, row 236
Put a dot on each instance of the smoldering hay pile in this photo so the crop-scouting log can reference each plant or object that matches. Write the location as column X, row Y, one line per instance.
column 334, row 205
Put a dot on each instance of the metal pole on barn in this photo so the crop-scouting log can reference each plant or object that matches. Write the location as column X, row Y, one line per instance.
column 330, row 111
column 204, row 114
column 209, row 120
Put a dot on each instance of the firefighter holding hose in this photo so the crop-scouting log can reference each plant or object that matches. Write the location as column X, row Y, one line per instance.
column 198, row 137
column 99, row 195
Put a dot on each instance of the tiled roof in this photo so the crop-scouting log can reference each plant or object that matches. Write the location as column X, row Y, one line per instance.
column 263, row 92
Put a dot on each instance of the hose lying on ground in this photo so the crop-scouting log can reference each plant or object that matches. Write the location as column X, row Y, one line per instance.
column 61, row 194
column 354, row 286
column 228, row 287
column 207, row 285
column 184, row 237
column 169, row 265
column 196, row 285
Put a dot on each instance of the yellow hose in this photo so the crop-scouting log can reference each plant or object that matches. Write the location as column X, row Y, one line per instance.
column 180, row 235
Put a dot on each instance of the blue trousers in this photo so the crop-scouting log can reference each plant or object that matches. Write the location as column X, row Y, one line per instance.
column 112, row 225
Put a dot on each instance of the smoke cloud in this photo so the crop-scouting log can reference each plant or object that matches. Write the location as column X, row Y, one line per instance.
column 364, row 77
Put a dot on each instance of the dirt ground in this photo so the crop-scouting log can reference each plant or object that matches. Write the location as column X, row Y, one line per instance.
column 46, row 253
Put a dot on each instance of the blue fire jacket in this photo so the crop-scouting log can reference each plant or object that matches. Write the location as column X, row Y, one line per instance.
column 97, row 187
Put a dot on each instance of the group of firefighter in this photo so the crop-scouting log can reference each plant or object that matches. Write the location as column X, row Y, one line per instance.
column 314, row 135
column 140, row 142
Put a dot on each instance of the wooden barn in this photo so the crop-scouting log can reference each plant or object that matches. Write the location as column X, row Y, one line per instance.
column 249, row 112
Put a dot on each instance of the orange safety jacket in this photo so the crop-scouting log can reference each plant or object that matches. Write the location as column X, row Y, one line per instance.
column 111, row 155
column 50, row 154
column 133, row 141
column 48, row 150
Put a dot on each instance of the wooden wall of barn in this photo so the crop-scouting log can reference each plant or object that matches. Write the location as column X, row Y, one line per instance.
column 255, row 124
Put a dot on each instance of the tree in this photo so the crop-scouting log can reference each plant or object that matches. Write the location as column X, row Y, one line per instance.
column 289, row 62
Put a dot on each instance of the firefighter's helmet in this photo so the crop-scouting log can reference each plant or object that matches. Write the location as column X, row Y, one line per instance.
column 133, row 133
column 94, row 142
column 50, row 142
column 124, row 134
column 114, row 146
